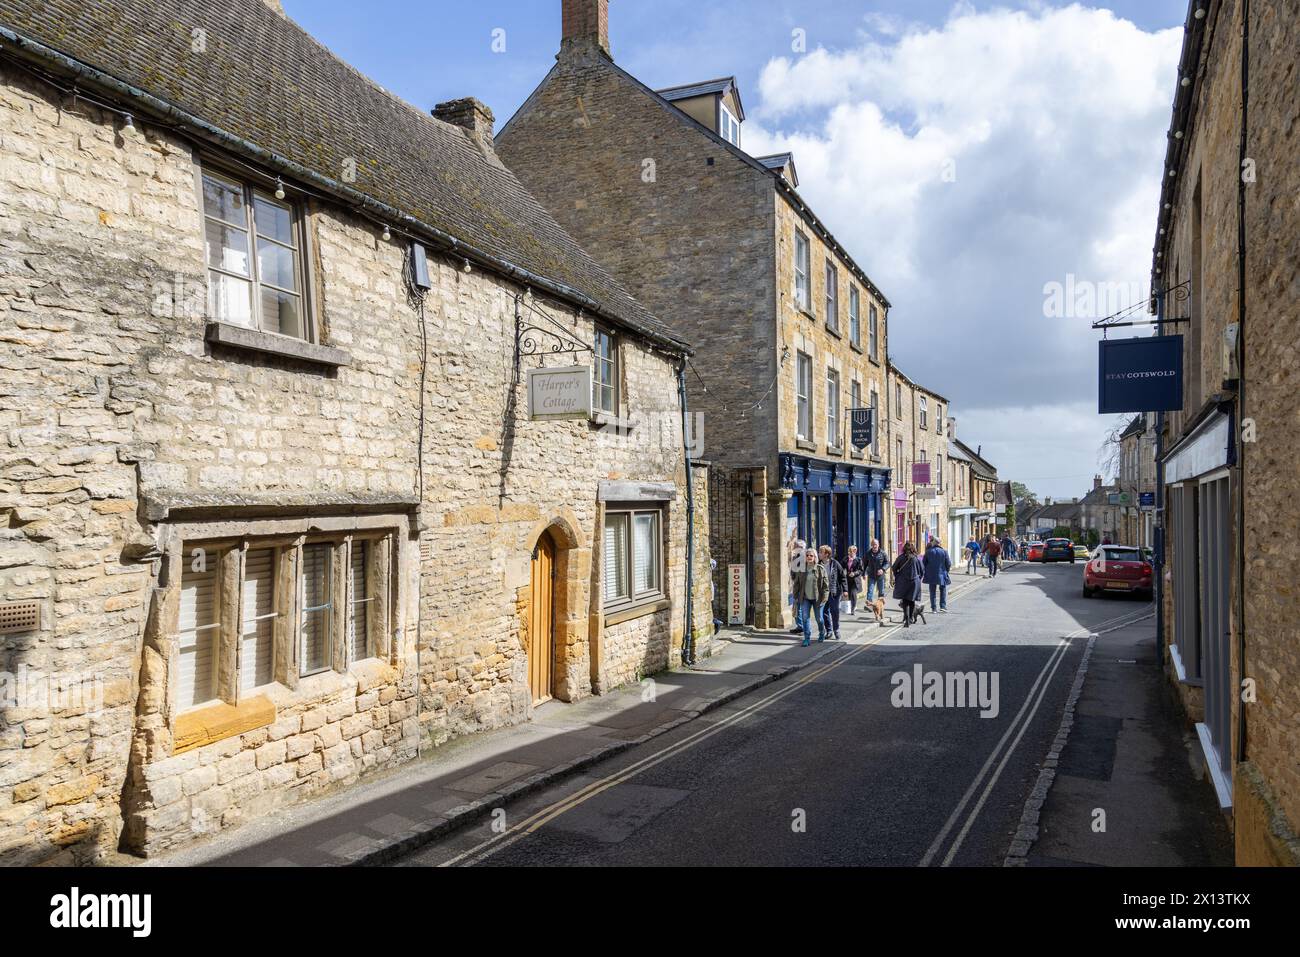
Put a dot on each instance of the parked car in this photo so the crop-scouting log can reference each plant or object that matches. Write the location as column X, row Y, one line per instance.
column 1034, row 552
column 1081, row 551
column 1117, row 568
column 1058, row 550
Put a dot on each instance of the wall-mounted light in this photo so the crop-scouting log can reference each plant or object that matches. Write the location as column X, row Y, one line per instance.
column 1173, row 173
column 279, row 188
column 1185, row 81
column 128, row 125
column 1169, row 205
column 1200, row 13
column 387, row 234
column 467, row 267
column 1178, row 134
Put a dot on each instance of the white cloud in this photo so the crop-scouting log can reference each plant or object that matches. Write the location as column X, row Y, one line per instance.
column 1051, row 124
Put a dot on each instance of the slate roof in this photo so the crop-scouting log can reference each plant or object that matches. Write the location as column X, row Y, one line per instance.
column 264, row 80
column 688, row 90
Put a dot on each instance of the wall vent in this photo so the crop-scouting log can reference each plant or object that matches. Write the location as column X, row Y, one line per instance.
column 19, row 616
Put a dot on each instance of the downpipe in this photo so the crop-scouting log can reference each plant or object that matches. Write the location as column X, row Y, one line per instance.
column 688, row 636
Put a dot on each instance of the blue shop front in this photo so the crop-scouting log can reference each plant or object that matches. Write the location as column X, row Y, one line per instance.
column 834, row 503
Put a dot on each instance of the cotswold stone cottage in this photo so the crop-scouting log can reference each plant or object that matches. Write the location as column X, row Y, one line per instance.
column 658, row 187
column 282, row 494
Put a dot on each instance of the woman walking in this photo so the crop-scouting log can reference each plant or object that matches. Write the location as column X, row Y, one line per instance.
column 908, row 572
column 854, row 569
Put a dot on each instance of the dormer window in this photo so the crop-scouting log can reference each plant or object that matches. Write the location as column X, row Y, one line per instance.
column 728, row 125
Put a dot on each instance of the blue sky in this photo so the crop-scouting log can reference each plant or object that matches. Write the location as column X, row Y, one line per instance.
column 969, row 155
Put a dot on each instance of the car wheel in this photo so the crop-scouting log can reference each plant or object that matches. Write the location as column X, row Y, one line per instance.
column 1071, row 561
column 1087, row 592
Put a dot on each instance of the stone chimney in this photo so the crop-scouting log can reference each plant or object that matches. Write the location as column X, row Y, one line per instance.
column 1096, row 482
column 470, row 113
column 585, row 21
column 952, row 427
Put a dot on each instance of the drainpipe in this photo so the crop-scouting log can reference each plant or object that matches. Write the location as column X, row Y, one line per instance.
column 688, row 636
column 1158, row 551
column 1241, row 375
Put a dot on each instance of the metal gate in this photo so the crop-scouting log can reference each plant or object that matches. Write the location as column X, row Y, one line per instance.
column 731, row 535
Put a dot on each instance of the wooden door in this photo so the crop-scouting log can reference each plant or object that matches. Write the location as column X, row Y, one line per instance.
column 541, row 638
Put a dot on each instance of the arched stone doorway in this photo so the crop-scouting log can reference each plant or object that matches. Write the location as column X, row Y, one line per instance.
column 553, row 619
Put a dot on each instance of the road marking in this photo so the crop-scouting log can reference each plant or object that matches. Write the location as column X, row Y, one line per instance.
column 1053, row 662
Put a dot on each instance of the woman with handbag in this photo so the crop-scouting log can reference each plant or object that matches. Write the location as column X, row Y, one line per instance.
column 908, row 572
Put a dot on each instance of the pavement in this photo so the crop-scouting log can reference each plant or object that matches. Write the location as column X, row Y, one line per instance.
column 396, row 812
column 1129, row 786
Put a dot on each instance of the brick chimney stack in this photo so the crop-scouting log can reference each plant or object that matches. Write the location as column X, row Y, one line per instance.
column 1096, row 482
column 470, row 113
column 586, row 21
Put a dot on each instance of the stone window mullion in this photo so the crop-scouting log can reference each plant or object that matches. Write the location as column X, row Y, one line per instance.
column 227, row 651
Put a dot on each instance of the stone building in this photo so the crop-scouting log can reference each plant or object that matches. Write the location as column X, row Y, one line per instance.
column 918, row 419
column 792, row 331
column 1136, row 482
column 983, row 490
column 271, row 522
column 960, row 494
column 1225, row 262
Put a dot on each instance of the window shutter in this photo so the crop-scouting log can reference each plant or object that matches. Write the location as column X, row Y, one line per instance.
column 615, row 557
column 316, row 608
column 358, row 636
column 256, row 636
column 199, row 628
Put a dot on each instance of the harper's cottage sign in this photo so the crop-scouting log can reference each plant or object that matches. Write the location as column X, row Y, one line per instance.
column 560, row 393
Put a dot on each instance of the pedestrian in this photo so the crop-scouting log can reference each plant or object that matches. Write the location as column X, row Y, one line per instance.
column 853, row 569
column 813, row 588
column 937, row 565
column 972, row 555
column 1008, row 547
column 874, row 565
column 839, row 587
column 992, row 550
column 908, row 572
column 796, row 569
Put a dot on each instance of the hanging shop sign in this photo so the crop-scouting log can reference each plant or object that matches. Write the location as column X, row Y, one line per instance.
column 862, row 427
column 926, row 493
column 920, row 473
column 1140, row 375
column 563, row 392
column 1147, row 499
column 736, row 594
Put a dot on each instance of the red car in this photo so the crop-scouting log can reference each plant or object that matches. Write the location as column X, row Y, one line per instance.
column 1117, row 568
column 1034, row 552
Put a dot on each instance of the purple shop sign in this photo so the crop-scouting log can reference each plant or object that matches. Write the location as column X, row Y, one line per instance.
column 920, row 473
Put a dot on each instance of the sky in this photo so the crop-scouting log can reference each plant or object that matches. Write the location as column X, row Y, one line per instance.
column 993, row 167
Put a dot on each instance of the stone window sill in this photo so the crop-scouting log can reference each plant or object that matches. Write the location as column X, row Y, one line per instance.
column 270, row 343
column 805, row 445
column 620, row 615
column 834, row 450
column 857, row 455
column 608, row 420
column 855, row 347
column 216, row 722
column 834, row 330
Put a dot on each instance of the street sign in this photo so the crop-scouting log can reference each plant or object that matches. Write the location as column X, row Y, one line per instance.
column 862, row 427
column 1140, row 375
column 1147, row 499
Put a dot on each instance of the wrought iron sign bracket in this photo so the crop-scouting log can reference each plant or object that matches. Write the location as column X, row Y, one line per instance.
column 543, row 336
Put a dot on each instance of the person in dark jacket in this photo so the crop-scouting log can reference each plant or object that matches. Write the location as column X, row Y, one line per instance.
column 937, row 565
column 811, row 590
column 908, row 572
column 1008, row 548
column 839, row 587
column 853, row 568
column 874, row 564
column 972, row 555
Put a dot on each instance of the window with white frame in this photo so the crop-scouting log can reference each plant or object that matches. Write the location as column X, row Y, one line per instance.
column 832, row 296
column 855, row 316
column 872, row 335
column 728, row 125
column 898, row 459
column 316, row 623
column 803, row 395
column 855, row 395
column 632, row 556
column 938, row 472
column 604, row 380
column 925, row 411
column 832, row 409
column 802, row 271
column 256, row 276
column 938, row 421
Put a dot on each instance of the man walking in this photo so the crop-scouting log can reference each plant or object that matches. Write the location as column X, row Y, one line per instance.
column 874, row 565
column 972, row 555
column 838, row 587
column 812, row 588
column 1008, row 547
column 937, row 564
column 992, row 550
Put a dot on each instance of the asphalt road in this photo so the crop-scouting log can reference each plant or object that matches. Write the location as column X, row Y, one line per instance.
column 823, row 768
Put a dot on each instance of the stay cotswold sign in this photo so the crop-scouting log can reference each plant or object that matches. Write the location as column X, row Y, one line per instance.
column 1140, row 375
